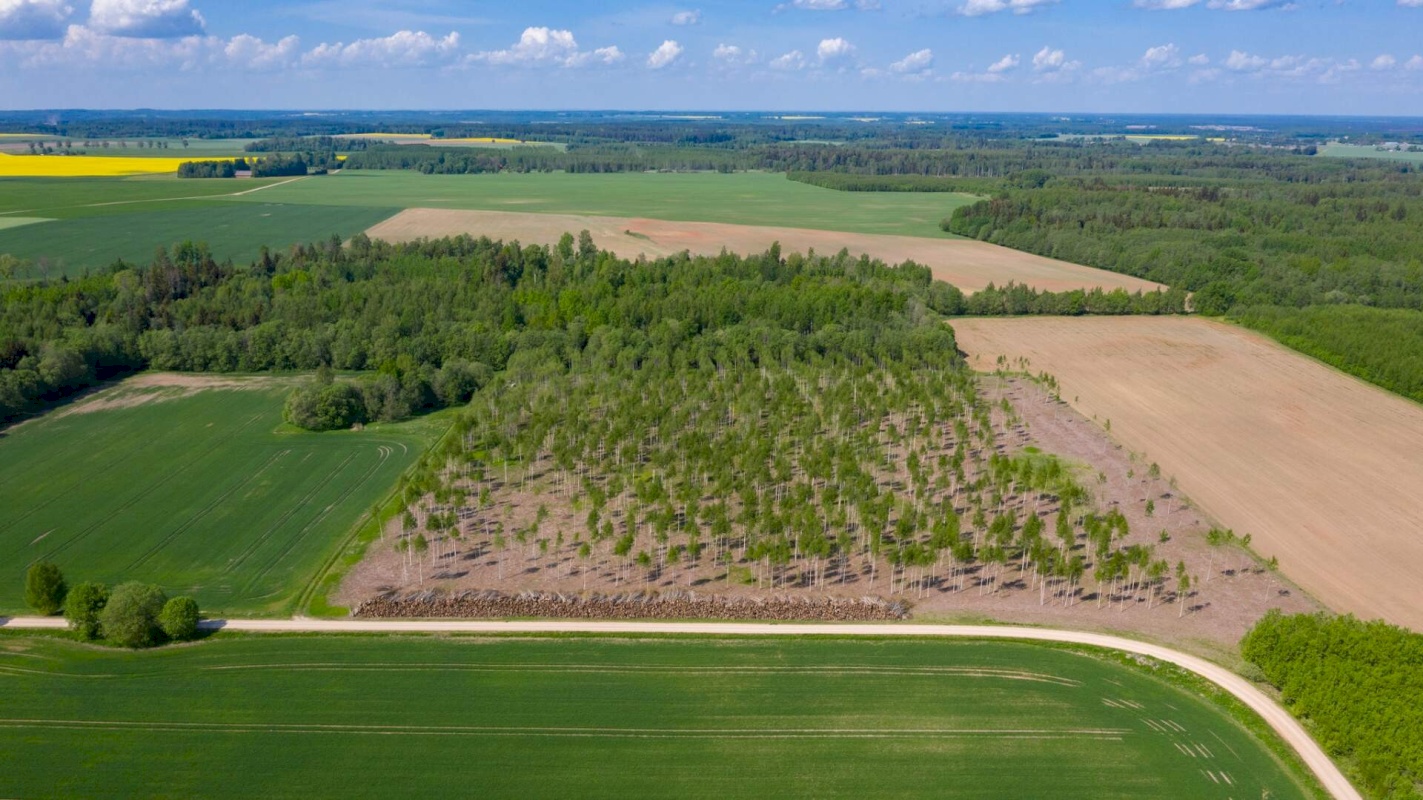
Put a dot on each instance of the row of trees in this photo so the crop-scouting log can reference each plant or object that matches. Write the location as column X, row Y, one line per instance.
column 1360, row 687
column 131, row 615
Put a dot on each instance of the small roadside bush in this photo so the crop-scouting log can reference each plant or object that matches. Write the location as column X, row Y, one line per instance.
column 130, row 618
column 44, row 588
column 82, row 607
column 179, row 619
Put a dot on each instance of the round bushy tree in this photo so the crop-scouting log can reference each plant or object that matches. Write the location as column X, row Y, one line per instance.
column 82, row 606
column 44, row 588
column 179, row 618
column 130, row 618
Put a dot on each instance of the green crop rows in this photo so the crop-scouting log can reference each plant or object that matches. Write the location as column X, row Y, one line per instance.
column 600, row 717
column 202, row 492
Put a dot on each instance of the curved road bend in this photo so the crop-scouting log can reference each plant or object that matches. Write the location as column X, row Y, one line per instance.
column 1277, row 717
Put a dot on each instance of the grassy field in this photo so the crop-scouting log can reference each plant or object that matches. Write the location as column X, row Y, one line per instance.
column 69, row 198
column 231, row 230
column 741, row 198
column 101, row 219
column 1368, row 151
column 608, row 717
column 200, row 491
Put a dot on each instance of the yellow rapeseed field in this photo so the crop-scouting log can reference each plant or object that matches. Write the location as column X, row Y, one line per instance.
column 27, row 166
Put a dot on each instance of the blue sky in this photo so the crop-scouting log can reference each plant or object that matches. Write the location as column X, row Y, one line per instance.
column 1204, row 56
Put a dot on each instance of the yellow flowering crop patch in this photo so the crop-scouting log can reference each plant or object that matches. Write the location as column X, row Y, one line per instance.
column 26, row 166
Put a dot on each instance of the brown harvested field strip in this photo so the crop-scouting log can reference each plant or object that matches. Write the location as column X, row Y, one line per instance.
column 967, row 264
column 1325, row 471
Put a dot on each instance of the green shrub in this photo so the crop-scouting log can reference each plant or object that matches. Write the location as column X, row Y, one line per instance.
column 82, row 608
column 130, row 618
column 44, row 588
column 179, row 618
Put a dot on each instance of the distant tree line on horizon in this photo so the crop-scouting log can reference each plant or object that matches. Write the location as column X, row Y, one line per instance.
column 277, row 165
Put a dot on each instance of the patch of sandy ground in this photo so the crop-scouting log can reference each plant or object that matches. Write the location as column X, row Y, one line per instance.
column 969, row 265
column 156, row 387
column 1325, row 471
column 1233, row 590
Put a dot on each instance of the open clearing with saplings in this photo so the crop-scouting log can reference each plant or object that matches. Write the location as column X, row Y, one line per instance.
column 298, row 716
column 192, row 483
column 522, row 532
column 1324, row 471
column 970, row 265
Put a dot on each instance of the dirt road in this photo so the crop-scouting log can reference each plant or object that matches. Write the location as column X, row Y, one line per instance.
column 1278, row 719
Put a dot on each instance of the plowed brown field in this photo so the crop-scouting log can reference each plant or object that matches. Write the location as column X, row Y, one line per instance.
column 1325, row 471
column 967, row 264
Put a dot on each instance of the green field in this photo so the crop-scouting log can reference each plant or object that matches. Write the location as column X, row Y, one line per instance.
column 306, row 716
column 741, row 198
column 67, row 198
column 232, row 230
column 98, row 220
column 1368, row 151
column 200, row 491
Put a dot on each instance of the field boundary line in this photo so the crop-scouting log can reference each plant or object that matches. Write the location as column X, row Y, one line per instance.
column 308, row 592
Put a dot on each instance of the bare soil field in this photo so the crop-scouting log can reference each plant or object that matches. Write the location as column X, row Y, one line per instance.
column 1232, row 589
column 1325, row 471
column 967, row 264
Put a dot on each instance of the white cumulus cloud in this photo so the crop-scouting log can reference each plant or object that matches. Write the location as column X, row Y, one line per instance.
column 544, row 46
column 252, row 53
column 790, row 61
column 831, row 51
column 687, row 17
column 1248, row 5
column 400, row 49
column 978, row 8
column 1415, row 63
column 1162, row 57
column 146, row 19
column 34, row 19
column 1004, row 64
column 731, row 54
column 1383, row 62
column 1164, row 5
column 1240, row 61
column 916, row 63
column 665, row 54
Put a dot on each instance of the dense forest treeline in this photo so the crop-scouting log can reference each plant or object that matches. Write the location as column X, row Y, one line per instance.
column 1383, row 346
column 848, row 182
column 276, row 165
column 409, row 311
column 1358, row 685
column 1270, row 243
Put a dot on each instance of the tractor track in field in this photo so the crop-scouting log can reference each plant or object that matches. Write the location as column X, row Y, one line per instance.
column 1274, row 715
